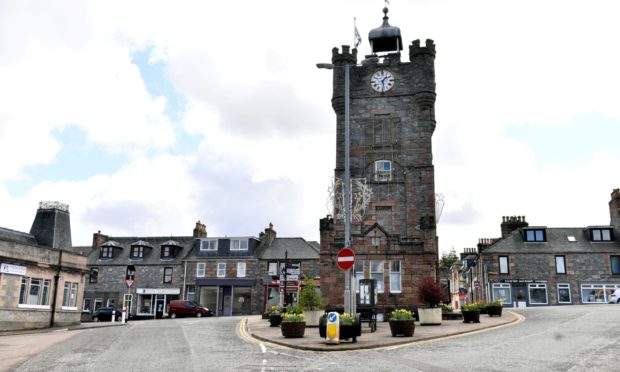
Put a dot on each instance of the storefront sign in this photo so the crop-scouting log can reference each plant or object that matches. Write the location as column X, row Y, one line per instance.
column 167, row 291
column 518, row 281
column 6, row 268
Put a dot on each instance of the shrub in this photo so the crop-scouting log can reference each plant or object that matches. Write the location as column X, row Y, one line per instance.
column 471, row 307
column 309, row 297
column 431, row 292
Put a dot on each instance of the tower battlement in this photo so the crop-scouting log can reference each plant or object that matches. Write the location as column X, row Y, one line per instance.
column 415, row 49
column 347, row 56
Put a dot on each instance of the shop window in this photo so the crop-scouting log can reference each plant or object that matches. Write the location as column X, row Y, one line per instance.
column 560, row 265
column 535, row 235
column 242, row 301
column 167, row 275
column 94, row 275
column 359, row 274
column 34, row 291
column 273, row 269
column 503, row 265
column 538, row 293
column 69, row 295
column 221, row 270
column 395, row 282
column 564, row 296
column 240, row 269
column 200, row 269
column 376, row 272
column 502, row 291
column 615, row 265
column 592, row 293
column 208, row 245
column 239, row 245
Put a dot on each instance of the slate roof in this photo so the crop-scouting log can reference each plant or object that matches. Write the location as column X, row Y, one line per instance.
column 17, row 236
column 298, row 248
column 557, row 242
column 151, row 256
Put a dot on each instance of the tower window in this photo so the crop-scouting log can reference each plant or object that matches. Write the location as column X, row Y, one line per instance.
column 383, row 170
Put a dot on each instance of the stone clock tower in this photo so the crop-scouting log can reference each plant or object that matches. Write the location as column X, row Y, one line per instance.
column 392, row 119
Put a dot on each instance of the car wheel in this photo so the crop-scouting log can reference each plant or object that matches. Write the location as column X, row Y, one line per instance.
column 198, row 315
column 96, row 319
column 173, row 316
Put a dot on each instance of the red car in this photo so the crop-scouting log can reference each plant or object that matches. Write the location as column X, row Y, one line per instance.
column 180, row 308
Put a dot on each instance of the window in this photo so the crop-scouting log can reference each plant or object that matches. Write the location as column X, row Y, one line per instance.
column 395, row 286
column 94, row 275
column 383, row 170
column 190, row 292
column 137, row 252
column 221, row 270
column 503, row 265
column 375, row 241
column 200, row 269
column 69, row 295
column 501, row 291
column 359, row 274
column 34, row 291
column 615, row 265
column 98, row 304
column 564, row 294
column 107, row 252
column 240, row 269
column 538, row 293
column 376, row 272
column 167, row 275
column 239, row 245
column 600, row 235
column 110, row 302
column 535, row 235
column 166, row 252
column 86, row 305
column 560, row 265
column 208, row 245
column 273, row 269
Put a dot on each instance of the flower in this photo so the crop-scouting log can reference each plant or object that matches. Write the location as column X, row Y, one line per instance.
column 347, row 319
column 401, row 314
column 471, row 307
column 275, row 310
column 292, row 318
column 499, row 302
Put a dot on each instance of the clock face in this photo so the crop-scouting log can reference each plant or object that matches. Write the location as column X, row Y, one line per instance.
column 382, row 81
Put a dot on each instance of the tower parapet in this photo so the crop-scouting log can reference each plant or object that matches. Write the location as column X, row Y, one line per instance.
column 347, row 57
column 415, row 49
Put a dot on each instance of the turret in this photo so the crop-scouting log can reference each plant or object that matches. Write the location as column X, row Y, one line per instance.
column 52, row 226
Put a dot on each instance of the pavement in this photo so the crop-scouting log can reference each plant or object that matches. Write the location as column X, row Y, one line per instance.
column 76, row 327
column 258, row 328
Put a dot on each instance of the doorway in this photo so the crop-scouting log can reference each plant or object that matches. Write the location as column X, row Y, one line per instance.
column 224, row 301
column 160, row 301
column 519, row 295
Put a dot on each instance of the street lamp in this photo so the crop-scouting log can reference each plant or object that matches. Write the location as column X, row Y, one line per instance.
column 349, row 292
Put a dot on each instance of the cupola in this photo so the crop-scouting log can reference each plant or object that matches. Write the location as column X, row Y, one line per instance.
column 385, row 38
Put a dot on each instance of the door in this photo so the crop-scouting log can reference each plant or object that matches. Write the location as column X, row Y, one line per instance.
column 160, row 302
column 225, row 303
column 520, row 295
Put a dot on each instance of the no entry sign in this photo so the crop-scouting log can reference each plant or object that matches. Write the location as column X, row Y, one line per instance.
column 346, row 258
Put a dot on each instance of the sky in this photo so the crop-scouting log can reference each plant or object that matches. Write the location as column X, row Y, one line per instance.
column 147, row 116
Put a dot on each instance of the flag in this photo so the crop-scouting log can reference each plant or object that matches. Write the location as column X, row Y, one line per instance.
column 358, row 38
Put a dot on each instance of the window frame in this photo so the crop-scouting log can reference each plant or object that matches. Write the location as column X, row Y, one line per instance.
column 535, row 235
column 381, row 174
column 396, row 274
column 239, row 245
column 86, row 303
column 601, row 238
column 210, row 243
column 69, row 295
column 356, row 273
column 201, row 269
column 221, row 269
column 106, row 252
column 531, row 286
column 25, row 298
column 169, row 276
column 241, row 271
column 499, row 262
column 496, row 287
column 570, row 295
column 380, row 284
column 93, row 276
column 613, row 258
column 137, row 252
column 557, row 267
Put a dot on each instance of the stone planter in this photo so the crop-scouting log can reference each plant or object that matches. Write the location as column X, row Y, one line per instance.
column 430, row 316
column 471, row 316
column 402, row 327
column 293, row 329
column 275, row 320
column 313, row 317
column 494, row 310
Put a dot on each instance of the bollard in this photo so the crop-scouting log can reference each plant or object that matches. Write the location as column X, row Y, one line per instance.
column 124, row 316
column 332, row 330
column 113, row 316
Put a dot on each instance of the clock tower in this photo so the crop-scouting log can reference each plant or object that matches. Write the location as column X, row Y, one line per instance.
column 392, row 120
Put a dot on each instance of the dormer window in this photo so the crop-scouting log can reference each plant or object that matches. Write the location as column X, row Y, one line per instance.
column 208, row 245
column 383, row 170
column 600, row 234
column 107, row 252
column 137, row 252
column 170, row 250
column 535, row 235
column 239, row 245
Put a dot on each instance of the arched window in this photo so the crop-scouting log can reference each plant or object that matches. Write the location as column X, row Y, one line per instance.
column 383, row 170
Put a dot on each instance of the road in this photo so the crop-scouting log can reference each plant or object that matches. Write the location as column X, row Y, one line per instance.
column 567, row 338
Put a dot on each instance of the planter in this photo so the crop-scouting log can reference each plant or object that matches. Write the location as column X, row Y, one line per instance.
column 275, row 320
column 402, row 327
column 472, row 316
column 346, row 331
column 495, row 310
column 430, row 316
column 293, row 329
column 313, row 317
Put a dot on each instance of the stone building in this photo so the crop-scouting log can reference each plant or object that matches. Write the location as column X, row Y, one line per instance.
column 392, row 120
column 159, row 273
column 41, row 276
column 540, row 266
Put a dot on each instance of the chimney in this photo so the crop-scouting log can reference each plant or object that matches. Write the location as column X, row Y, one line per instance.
column 268, row 236
column 52, row 226
column 200, row 231
column 99, row 239
column 614, row 209
column 512, row 223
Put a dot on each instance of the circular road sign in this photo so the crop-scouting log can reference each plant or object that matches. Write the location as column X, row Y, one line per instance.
column 346, row 258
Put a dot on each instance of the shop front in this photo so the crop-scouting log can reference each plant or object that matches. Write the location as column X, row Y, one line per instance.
column 520, row 292
column 226, row 297
column 152, row 302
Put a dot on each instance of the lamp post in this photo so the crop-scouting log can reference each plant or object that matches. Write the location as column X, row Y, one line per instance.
column 349, row 290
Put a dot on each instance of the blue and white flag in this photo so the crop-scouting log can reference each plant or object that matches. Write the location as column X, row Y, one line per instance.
column 358, row 38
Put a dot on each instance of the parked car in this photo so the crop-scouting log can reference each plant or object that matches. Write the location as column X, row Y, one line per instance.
column 180, row 308
column 614, row 298
column 104, row 314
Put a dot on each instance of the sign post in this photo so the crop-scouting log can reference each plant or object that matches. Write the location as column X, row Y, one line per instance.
column 346, row 260
column 130, row 277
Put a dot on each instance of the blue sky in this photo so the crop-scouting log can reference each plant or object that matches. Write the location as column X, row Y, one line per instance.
column 146, row 117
